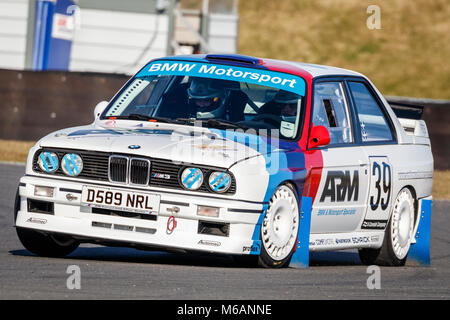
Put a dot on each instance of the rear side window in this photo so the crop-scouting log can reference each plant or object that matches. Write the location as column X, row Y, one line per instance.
column 372, row 121
column 331, row 110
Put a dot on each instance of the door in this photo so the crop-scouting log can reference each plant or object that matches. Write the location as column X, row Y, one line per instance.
column 340, row 203
column 377, row 138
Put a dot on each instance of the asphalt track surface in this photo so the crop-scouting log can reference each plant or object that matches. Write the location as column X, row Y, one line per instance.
column 122, row 273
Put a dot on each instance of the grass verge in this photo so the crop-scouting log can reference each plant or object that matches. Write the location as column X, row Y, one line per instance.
column 17, row 151
column 407, row 56
column 441, row 185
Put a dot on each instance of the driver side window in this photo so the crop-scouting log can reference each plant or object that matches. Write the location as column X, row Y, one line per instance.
column 331, row 111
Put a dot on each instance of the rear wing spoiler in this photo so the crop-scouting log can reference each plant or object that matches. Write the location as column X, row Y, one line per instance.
column 406, row 110
column 410, row 116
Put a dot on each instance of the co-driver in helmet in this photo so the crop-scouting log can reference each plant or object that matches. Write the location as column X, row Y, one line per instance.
column 287, row 103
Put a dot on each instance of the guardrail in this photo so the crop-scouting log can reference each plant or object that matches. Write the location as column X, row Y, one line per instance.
column 36, row 103
column 420, row 101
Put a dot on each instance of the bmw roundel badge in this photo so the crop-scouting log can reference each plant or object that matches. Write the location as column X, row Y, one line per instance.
column 134, row 147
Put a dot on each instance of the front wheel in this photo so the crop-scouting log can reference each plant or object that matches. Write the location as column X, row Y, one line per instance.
column 46, row 245
column 398, row 235
column 279, row 229
column 43, row 244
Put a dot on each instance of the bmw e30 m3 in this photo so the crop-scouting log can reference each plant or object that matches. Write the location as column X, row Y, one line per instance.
column 215, row 153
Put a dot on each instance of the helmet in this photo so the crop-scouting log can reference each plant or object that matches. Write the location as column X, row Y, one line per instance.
column 208, row 97
column 283, row 96
column 288, row 104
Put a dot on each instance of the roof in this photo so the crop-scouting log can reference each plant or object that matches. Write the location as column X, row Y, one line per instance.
column 317, row 70
column 303, row 69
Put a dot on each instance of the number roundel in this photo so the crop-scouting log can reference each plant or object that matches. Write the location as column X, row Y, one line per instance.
column 383, row 182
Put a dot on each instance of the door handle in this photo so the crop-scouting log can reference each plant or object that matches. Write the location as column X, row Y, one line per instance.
column 362, row 163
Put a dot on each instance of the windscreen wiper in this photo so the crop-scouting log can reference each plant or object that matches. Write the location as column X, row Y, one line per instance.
column 217, row 122
column 188, row 120
column 143, row 117
column 212, row 123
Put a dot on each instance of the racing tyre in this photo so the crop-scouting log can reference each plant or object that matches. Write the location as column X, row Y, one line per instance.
column 398, row 235
column 279, row 229
column 43, row 244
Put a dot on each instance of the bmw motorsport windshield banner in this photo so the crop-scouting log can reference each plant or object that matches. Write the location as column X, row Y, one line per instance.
column 262, row 77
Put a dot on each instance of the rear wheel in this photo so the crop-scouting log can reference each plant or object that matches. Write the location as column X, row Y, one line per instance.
column 398, row 235
column 42, row 244
column 279, row 229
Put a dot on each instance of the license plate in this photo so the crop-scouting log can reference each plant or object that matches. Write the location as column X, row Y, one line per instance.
column 119, row 199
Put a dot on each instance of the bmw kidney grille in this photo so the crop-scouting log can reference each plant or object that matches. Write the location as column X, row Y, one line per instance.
column 129, row 170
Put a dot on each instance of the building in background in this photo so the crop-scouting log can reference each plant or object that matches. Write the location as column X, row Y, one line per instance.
column 113, row 36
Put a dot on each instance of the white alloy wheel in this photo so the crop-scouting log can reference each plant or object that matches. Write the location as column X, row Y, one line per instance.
column 398, row 235
column 280, row 226
column 402, row 223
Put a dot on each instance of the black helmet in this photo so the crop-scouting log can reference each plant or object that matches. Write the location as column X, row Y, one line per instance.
column 286, row 97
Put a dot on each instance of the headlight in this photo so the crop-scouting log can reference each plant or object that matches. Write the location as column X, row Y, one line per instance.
column 192, row 178
column 48, row 161
column 219, row 181
column 72, row 164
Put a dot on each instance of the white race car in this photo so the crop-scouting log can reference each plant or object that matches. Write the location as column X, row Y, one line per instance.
column 216, row 153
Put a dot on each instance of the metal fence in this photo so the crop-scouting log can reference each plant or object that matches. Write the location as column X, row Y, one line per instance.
column 35, row 103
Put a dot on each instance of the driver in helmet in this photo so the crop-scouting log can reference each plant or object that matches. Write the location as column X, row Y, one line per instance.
column 207, row 97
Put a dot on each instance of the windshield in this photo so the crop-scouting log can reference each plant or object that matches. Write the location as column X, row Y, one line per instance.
column 217, row 99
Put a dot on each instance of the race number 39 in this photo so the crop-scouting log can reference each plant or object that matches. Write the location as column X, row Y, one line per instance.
column 380, row 187
column 382, row 175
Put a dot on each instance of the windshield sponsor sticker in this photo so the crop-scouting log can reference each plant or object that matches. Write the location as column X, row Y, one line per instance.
column 274, row 79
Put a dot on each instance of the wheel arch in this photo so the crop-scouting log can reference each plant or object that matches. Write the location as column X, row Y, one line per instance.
column 297, row 189
column 416, row 208
column 416, row 203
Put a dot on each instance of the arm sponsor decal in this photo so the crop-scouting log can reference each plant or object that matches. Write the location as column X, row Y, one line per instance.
column 341, row 186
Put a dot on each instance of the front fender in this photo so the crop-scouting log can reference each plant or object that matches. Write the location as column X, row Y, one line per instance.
column 258, row 177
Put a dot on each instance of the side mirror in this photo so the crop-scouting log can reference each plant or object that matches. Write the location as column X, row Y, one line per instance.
column 319, row 136
column 99, row 108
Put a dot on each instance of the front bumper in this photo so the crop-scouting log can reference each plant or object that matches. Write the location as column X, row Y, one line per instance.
column 69, row 217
